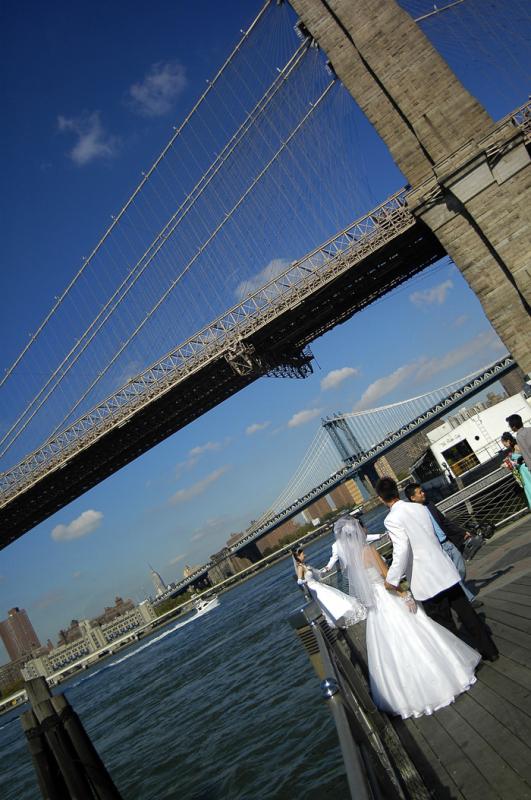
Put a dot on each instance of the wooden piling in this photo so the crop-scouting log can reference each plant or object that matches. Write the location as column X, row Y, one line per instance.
column 49, row 778
column 88, row 756
column 67, row 764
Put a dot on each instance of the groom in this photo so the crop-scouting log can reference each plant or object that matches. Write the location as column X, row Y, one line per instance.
column 433, row 578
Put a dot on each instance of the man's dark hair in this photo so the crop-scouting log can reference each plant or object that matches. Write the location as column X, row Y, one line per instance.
column 515, row 421
column 387, row 490
column 410, row 490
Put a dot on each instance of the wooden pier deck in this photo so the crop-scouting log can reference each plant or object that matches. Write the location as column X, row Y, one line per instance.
column 480, row 747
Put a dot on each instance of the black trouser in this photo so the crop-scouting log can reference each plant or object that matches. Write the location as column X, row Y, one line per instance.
column 440, row 608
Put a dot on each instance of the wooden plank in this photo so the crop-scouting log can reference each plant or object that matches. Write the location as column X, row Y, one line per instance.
column 518, row 609
column 427, row 761
column 512, row 650
column 464, row 773
column 511, row 597
column 516, row 588
column 510, row 620
column 506, row 688
column 524, row 579
column 501, row 779
column 516, row 672
column 501, row 738
column 510, row 634
column 510, row 708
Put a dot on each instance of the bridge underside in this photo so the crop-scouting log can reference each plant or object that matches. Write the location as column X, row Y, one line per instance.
column 356, row 288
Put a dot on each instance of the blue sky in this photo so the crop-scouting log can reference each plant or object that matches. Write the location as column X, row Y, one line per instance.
column 93, row 93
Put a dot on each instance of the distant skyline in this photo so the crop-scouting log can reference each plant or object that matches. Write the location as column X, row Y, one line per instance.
column 91, row 101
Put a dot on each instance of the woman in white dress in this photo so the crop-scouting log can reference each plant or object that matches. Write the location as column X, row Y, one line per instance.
column 340, row 610
column 415, row 665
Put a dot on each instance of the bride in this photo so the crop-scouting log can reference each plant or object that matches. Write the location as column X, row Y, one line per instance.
column 340, row 610
column 415, row 665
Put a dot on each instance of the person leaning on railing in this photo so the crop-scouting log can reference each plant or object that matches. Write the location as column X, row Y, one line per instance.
column 523, row 437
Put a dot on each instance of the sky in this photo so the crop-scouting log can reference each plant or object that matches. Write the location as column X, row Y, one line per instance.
column 93, row 93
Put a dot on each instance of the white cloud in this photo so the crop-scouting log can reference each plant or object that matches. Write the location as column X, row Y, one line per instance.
column 195, row 452
column 385, row 385
column 92, row 139
column 460, row 321
column 156, row 94
column 487, row 344
column 182, row 495
column 256, row 426
column 435, row 295
column 178, row 558
column 336, row 377
column 302, row 417
column 87, row 522
column 255, row 282
column 77, row 574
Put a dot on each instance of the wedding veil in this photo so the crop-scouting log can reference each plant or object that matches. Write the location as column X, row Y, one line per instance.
column 351, row 543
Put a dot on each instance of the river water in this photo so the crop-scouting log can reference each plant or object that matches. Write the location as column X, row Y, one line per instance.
column 224, row 707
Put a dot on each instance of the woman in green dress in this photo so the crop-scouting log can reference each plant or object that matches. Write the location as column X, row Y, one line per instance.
column 515, row 463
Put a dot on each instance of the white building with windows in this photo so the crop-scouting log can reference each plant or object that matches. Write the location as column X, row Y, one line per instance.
column 477, row 439
column 94, row 638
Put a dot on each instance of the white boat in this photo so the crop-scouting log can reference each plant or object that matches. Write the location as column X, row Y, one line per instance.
column 203, row 604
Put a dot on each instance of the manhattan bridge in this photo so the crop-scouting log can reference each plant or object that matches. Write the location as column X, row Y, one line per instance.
column 256, row 230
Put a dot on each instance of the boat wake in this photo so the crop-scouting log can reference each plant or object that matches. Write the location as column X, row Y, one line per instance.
column 142, row 647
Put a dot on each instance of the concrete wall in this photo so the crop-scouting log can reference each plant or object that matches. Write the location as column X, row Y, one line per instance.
column 471, row 179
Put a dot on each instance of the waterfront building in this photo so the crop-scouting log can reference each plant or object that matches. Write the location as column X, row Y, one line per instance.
column 111, row 612
column 10, row 675
column 225, row 564
column 158, row 583
column 93, row 637
column 71, row 634
column 347, row 494
column 188, row 570
column 18, row 634
column 277, row 537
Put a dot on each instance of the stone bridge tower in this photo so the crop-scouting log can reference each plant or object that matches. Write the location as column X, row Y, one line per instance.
column 470, row 176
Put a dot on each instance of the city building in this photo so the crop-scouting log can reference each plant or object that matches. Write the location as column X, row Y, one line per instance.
column 158, row 583
column 18, row 635
column 119, row 608
column 71, row 634
column 188, row 570
column 346, row 494
column 93, row 637
column 10, row 675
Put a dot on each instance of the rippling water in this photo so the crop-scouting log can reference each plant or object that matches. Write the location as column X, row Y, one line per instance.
column 225, row 707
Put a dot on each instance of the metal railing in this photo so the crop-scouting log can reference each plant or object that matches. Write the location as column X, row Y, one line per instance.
column 376, row 763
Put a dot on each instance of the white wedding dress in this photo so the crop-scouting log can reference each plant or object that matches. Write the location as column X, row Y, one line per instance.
column 340, row 610
column 415, row 665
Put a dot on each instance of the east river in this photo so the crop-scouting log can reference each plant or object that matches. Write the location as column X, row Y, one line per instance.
column 225, row 707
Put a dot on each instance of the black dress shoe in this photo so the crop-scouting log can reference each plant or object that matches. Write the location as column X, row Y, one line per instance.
column 492, row 657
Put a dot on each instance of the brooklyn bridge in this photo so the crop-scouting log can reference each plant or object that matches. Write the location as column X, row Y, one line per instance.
column 157, row 340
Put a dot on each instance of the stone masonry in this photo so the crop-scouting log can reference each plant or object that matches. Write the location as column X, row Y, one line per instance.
column 470, row 177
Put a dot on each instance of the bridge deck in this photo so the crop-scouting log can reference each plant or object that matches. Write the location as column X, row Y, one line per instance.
column 480, row 747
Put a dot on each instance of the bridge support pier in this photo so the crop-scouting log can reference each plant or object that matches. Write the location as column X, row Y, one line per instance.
column 471, row 178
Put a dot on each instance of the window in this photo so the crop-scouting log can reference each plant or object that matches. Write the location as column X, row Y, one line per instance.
column 460, row 457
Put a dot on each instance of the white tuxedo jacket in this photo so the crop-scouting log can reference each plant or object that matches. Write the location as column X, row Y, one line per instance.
column 417, row 552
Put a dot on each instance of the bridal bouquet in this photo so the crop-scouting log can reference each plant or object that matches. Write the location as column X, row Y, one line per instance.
column 513, row 467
